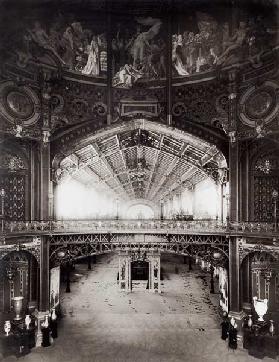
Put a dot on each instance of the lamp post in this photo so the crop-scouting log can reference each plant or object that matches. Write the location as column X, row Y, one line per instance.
column 212, row 290
column 2, row 194
column 275, row 197
column 162, row 209
column 67, row 258
column 228, row 209
column 68, row 281
column 117, row 208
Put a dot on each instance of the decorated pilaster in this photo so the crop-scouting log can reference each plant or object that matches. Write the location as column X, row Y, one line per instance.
column 233, row 149
column 169, row 67
column 124, row 271
column 45, row 81
column 44, row 275
column 234, row 283
column 154, row 273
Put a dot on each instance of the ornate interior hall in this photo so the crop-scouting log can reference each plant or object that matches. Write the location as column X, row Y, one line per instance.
column 139, row 180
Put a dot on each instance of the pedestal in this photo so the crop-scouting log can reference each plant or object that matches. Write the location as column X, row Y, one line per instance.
column 38, row 334
column 238, row 316
column 45, row 340
column 53, row 328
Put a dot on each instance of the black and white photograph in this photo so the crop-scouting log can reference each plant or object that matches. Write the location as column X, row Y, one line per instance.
column 139, row 180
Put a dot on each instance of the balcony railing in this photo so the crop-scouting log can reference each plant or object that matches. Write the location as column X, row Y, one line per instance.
column 170, row 226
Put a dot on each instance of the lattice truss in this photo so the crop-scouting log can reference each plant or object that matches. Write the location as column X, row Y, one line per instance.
column 142, row 164
column 76, row 246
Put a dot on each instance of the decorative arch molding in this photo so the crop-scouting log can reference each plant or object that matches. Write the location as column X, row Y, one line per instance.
column 31, row 248
column 260, row 253
column 155, row 208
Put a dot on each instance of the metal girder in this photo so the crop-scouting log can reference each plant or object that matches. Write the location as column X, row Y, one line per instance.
column 108, row 167
column 80, row 245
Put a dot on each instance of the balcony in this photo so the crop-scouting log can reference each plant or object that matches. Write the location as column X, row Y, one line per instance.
column 136, row 226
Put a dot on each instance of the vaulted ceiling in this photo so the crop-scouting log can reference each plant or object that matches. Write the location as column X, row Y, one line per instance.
column 141, row 163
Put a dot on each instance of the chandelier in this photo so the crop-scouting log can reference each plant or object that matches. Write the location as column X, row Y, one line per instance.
column 139, row 169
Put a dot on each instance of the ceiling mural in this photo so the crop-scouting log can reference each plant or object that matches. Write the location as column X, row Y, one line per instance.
column 76, row 44
column 138, row 50
column 203, row 42
column 66, row 66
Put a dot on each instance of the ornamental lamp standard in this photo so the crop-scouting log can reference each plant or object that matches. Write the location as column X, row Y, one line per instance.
column 215, row 256
column 162, row 209
column 117, row 208
column 275, row 198
column 228, row 209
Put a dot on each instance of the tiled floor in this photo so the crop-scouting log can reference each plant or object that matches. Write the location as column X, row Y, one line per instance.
column 101, row 324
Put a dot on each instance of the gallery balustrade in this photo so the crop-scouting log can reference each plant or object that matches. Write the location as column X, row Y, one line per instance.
column 164, row 226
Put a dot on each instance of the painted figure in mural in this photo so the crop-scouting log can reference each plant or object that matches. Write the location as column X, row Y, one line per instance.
column 177, row 55
column 40, row 37
column 127, row 76
column 67, row 43
column 92, row 65
column 235, row 43
column 141, row 43
column 156, row 66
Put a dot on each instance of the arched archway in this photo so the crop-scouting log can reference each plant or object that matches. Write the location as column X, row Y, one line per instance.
column 19, row 274
column 141, row 209
column 259, row 278
column 135, row 160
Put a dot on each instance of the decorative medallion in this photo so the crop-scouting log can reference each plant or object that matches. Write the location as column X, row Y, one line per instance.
column 179, row 109
column 259, row 104
column 19, row 103
column 100, row 108
column 57, row 103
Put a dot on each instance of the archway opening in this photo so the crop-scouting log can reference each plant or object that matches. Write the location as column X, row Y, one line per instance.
column 139, row 270
column 178, row 175
column 140, row 211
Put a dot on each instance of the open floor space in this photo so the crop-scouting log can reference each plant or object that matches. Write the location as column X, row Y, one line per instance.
column 102, row 324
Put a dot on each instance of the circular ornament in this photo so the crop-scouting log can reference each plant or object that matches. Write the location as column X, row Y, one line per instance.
column 19, row 102
column 178, row 109
column 100, row 108
column 259, row 104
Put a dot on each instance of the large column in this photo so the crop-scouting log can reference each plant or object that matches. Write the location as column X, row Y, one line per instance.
column 44, row 181
column 234, row 283
column 44, row 275
column 246, row 284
